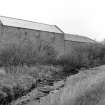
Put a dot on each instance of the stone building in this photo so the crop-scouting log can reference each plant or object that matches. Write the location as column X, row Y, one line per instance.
column 15, row 30
column 73, row 41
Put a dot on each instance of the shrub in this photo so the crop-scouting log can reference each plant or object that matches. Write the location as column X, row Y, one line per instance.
column 13, row 54
column 96, row 54
column 69, row 62
column 47, row 54
column 83, row 57
column 13, row 87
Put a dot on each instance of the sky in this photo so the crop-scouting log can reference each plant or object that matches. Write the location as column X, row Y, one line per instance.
column 82, row 17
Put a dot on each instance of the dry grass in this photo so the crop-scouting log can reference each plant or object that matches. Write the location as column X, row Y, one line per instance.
column 85, row 88
column 14, row 86
column 17, row 81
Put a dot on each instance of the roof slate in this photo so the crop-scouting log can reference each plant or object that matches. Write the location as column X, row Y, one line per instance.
column 78, row 38
column 8, row 21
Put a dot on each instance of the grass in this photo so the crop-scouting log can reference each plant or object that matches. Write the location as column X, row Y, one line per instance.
column 17, row 81
column 85, row 88
column 14, row 86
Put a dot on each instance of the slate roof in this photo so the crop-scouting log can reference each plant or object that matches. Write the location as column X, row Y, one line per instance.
column 8, row 21
column 78, row 38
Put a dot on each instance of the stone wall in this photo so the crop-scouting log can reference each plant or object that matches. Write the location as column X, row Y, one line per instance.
column 70, row 45
column 15, row 35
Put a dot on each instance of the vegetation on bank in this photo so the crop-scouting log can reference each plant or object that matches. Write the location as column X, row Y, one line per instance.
column 27, row 67
column 84, row 88
column 83, row 57
column 25, row 53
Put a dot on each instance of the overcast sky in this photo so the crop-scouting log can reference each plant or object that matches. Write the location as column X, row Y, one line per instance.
column 83, row 17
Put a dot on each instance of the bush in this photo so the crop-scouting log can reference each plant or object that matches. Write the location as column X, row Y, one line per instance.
column 69, row 62
column 13, row 87
column 96, row 54
column 47, row 54
column 42, row 73
column 12, row 54
column 83, row 57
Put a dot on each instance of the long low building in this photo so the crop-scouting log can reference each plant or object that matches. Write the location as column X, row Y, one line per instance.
column 72, row 41
column 15, row 30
